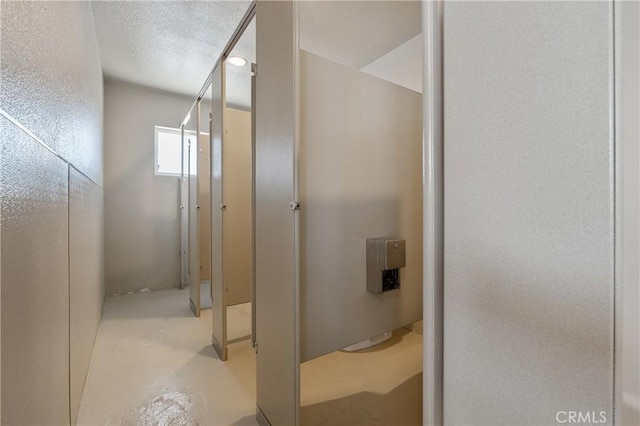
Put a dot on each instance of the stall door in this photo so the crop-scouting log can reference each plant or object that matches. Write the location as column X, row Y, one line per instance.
column 276, row 296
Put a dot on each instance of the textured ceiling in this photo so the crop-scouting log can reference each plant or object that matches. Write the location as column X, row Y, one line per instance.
column 170, row 45
column 239, row 78
column 173, row 45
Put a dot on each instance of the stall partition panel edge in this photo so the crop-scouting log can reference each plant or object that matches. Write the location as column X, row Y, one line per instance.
column 278, row 362
column 184, row 210
column 218, row 290
column 193, row 214
column 204, row 202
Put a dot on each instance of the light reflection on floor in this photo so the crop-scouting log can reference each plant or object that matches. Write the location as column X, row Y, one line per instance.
column 153, row 364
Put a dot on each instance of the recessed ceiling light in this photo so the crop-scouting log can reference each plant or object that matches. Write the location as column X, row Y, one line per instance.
column 238, row 61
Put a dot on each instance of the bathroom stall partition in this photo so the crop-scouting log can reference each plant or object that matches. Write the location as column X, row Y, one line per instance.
column 526, row 253
column 277, row 285
column 232, row 212
column 204, row 201
column 216, row 192
column 360, row 177
column 237, row 231
column 231, row 204
column 194, row 207
column 189, row 205
column 184, row 209
column 194, row 215
column 237, row 181
column 203, row 206
column 218, row 290
column 338, row 162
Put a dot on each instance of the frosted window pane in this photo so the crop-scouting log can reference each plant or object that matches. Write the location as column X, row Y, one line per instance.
column 168, row 153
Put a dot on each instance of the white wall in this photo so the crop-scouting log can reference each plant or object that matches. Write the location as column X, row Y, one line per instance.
column 402, row 65
column 628, row 213
column 51, row 207
column 529, row 202
column 50, row 71
column 142, row 221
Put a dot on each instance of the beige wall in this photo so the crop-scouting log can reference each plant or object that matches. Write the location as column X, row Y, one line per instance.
column 142, row 222
column 51, row 208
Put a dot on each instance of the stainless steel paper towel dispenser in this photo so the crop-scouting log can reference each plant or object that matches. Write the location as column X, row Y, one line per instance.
column 385, row 257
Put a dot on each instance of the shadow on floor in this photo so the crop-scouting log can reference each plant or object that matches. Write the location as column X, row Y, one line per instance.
column 400, row 407
column 150, row 304
column 246, row 421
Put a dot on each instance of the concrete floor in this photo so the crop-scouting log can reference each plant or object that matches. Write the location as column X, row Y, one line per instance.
column 381, row 385
column 153, row 364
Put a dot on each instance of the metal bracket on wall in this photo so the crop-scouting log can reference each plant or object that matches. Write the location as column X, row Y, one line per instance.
column 294, row 205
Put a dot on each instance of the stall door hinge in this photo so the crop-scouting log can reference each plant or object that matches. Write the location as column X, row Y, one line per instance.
column 294, row 205
column 255, row 347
